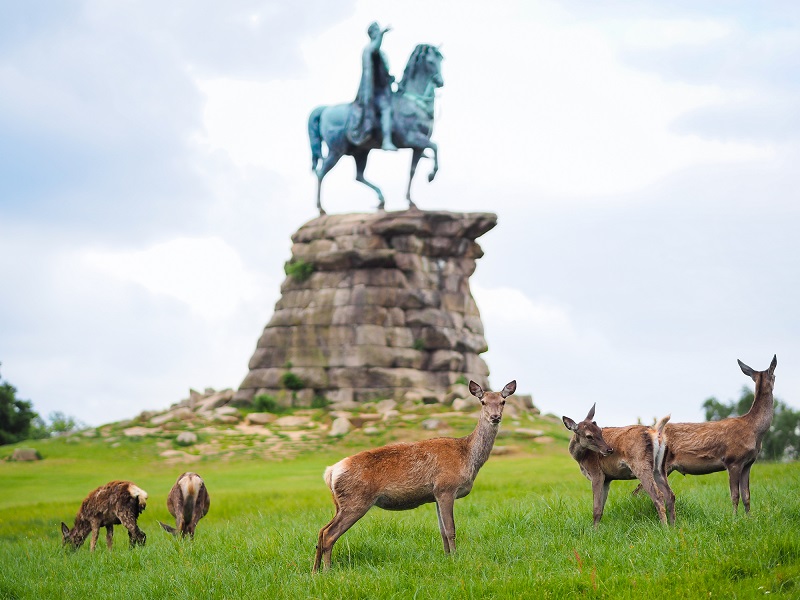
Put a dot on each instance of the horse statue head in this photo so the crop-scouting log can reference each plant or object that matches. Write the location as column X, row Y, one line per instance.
column 423, row 72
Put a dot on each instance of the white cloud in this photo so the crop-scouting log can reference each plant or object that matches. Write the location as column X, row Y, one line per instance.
column 204, row 273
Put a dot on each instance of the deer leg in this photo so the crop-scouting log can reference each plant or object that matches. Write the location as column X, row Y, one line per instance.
column 180, row 523
column 441, row 528
column 669, row 497
column 135, row 535
column 744, row 487
column 734, row 479
column 344, row 519
column 649, row 485
column 109, row 536
column 447, row 523
column 95, row 534
column 361, row 166
column 599, row 494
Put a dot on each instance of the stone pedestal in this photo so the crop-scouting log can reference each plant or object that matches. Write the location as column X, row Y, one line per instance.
column 375, row 306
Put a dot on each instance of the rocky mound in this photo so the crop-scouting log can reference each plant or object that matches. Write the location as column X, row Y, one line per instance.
column 375, row 306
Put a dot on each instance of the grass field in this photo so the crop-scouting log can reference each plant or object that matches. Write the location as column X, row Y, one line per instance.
column 525, row 531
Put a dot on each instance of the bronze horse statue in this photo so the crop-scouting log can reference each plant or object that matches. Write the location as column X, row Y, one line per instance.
column 412, row 124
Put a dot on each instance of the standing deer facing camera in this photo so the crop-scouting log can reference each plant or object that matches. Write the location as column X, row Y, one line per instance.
column 403, row 476
column 614, row 453
column 732, row 443
column 188, row 502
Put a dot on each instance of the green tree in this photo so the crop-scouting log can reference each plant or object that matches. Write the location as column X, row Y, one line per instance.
column 781, row 442
column 16, row 416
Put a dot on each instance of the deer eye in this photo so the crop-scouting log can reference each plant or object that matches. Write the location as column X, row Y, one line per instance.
column 589, row 436
column 483, row 403
column 503, row 403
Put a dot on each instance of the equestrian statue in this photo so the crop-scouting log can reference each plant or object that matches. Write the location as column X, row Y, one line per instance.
column 380, row 116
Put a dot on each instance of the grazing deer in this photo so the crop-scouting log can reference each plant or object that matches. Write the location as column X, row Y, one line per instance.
column 732, row 443
column 622, row 453
column 115, row 503
column 403, row 476
column 188, row 502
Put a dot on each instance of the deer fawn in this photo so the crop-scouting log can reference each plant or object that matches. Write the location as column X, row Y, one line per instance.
column 732, row 444
column 188, row 502
column 403, row 476
column 621, row 453
column 117, row 502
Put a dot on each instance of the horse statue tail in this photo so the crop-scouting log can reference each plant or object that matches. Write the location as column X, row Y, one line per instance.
column 315, row 137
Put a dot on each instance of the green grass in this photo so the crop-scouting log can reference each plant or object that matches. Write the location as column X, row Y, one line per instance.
column 524, row 531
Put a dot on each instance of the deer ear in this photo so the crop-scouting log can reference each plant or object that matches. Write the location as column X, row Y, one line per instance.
column 590, row 416
column 64, row 530
column 509, row 389
column 746, row 370
column 475, row 390
column 569, row 423
column 773, row 364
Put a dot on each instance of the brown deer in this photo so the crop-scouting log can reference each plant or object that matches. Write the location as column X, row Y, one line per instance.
column 403, row 476
column 115, row 503
column 732, row 443
column 622, row 453
column 188, row 502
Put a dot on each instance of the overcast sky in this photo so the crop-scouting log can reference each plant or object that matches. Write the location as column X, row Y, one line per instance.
column 642, row 158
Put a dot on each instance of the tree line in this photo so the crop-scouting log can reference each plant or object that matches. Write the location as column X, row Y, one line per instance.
column 18, row 420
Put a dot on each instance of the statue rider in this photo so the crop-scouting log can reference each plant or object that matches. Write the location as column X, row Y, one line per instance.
column 374, row 98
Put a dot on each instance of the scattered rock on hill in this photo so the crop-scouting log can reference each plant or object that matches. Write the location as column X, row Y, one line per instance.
column 25, row 455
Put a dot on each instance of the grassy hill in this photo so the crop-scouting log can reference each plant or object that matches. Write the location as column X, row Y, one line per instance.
column 524, row 531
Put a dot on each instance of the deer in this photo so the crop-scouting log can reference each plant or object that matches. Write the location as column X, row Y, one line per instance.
column 731, row 444
column 115, row 503
column 621, row 453
column 405, row 475
column 188, row 502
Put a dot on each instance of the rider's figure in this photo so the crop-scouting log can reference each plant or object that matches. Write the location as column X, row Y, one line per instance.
column 374, row 98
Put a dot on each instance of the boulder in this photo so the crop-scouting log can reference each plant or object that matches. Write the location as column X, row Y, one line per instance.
column 186, row 438
column 25, row 455
column 466, row 404
column 339, row 427
column 259, row 418
column 139, row 431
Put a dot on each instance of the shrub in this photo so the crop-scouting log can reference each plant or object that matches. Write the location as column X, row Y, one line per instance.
column 266, row 403
column 298, row 269
column 418, row 344
column 291, row 381
column 319, row 402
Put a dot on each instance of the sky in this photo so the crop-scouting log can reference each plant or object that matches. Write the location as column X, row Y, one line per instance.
column 641, row 158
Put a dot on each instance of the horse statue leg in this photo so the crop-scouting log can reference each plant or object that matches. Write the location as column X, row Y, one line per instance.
column 435, row 148
column 418, row 151
column 327, row 164
column 361, row 165
column 416, row 154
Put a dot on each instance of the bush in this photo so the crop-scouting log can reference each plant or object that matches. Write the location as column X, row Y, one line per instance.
column 17, row 417
column 298, row 269
column 319, row 402
column 291, row 381
column 266, row 403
